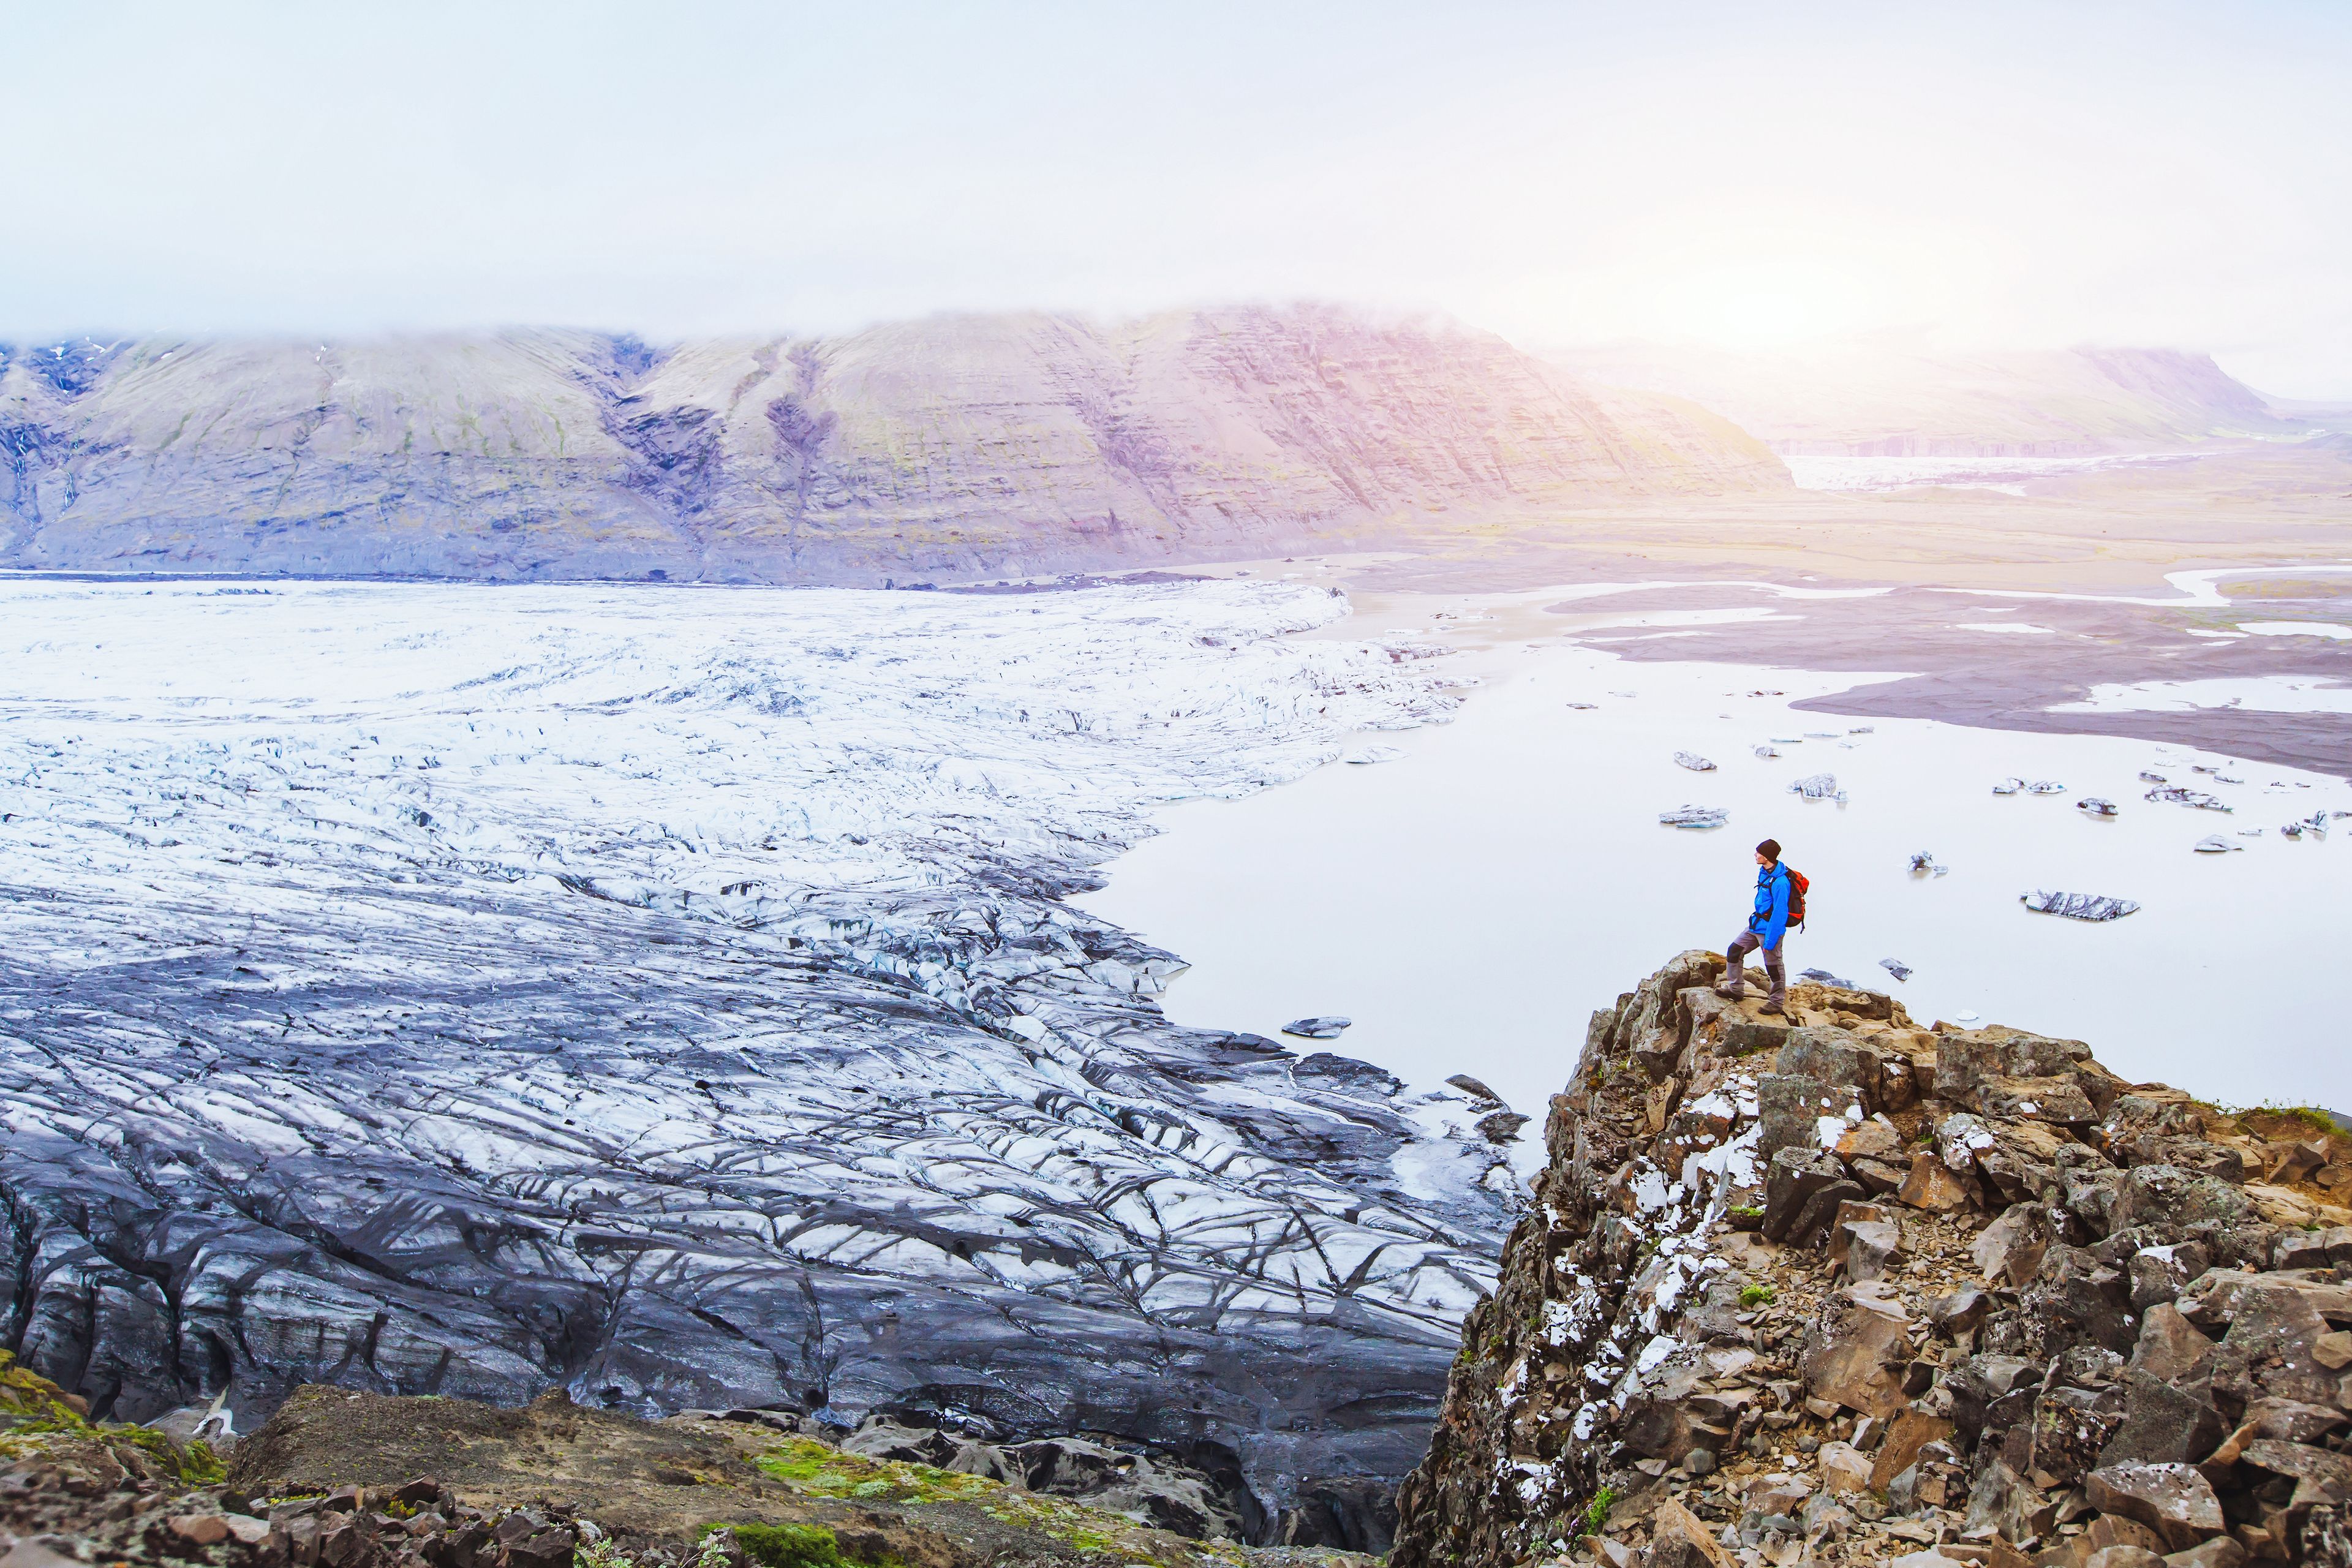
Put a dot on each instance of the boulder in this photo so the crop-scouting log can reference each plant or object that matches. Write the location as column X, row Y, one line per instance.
column 1932, row 1186
column 1854, row 1354
column 2172, row 1500
column 2271, row 1349
column 2004, row 1502
column 2069, row 1427
column 1843, row 1468
column 2073, row 1299
column 1874, row 1247
column 1835, row 1059
column 2221, row 1552
column 1793, row 1180
column 2164, row 1421
column 1678, row 1539
column 2159, row 1274
column 1961, row 1311
column 2321, row 1476
column 2178, row 1202
column 1875, row 1139
column 2008, row 1251
column 1793, row 1108
column 2170, row 1348
column 1911, row 1430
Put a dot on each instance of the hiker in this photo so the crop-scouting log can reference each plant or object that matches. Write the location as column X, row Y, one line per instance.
column 1767, row 923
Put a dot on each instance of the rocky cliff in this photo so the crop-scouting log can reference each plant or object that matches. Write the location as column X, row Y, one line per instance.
column 1842, row 1288
column 974, row 445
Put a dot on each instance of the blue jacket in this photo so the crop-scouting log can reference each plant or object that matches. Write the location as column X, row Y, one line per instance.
column 1771, row 919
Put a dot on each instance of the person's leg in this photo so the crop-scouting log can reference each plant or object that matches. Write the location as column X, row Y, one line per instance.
column 1780, row 974
column 1735, row 976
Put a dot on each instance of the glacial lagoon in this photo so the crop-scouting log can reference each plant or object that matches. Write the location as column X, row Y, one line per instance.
column 1469, row 903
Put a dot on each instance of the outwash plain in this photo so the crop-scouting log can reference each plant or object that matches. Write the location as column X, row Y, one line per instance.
column 537, row 871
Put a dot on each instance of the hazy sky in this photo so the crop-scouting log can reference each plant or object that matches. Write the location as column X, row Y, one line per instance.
column 2028, row 175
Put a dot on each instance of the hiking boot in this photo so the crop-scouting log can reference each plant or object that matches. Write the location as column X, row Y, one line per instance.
column 1731, row 993
column 1773, row 1007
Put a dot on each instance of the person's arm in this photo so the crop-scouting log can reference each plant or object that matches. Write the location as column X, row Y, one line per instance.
column 1779, row 924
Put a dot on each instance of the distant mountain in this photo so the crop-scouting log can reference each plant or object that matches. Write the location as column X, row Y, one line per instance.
column 975, row 445
column 1895, row 397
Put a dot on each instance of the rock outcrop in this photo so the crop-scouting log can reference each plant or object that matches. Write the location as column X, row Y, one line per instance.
column 959, row 446
column 343, row 1480
column 1836, row 1288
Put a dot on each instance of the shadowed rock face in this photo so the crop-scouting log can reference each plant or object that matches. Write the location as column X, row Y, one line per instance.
column 999, row 444
column 669, row 997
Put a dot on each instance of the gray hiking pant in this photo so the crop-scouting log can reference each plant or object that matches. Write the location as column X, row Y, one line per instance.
column 1743, row 944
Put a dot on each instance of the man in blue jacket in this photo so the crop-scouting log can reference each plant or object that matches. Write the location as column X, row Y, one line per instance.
column 1767, row 923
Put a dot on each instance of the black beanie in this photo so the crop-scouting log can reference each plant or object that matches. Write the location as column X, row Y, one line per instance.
column 1769, row 849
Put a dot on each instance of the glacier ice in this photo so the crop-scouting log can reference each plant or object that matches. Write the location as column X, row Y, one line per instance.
column 670, row 994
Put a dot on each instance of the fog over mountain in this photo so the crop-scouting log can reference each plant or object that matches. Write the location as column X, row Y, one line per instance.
column 1890, row 396
column 974, row 445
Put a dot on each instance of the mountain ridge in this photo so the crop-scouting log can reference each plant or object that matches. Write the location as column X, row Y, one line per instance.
column 960, row 444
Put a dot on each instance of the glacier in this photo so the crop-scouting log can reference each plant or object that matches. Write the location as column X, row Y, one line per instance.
column 669, row 994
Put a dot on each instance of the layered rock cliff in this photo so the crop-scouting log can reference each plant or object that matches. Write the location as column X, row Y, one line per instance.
column 972, row 445
column 1842, row 1288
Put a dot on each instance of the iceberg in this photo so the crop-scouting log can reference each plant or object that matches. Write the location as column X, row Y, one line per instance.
column 1896, row 967
column 2214, row 844
column 1318, row 1028
column 1693, row 762
column 2176, row 795
column 1695, row 816
column 1817, row 786
column 2095, row 807
column 2078, row 906
column 2009, row 786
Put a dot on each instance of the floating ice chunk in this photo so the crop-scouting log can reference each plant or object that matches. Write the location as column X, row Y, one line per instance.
column 1896, row 967
column 1374, row 755
column 2095, row 807
column 2292, row 830
column 1924, row 864
column 2214, row 844
column 1817, row 786
column 2045, row 786
column 2178, row 797
column 1824, row 977
column 2249, row 832
column 1966, row 1015
column 1863, row 730
column 1693, row 762
column 1695, row 816
column 1788, row 739
column 1316, row 1028
column 1766, row 753
column 2078, row 906
column 1820, row 734
column 2146, row 777
column 1585, row 707
column 2009, row 786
